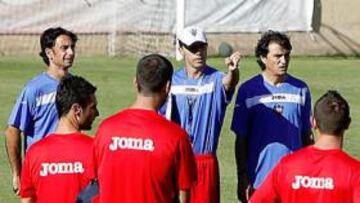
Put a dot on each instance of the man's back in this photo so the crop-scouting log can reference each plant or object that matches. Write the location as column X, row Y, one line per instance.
column 52, row 178
column 313, row 175
column 142, row 157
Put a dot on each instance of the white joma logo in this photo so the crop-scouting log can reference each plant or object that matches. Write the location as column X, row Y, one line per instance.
column 313, row 182
column 61, row 168
column 131, row 143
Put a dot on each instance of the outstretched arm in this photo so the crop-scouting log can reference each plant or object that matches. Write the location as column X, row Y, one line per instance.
column 232, row 77
column 13, row 149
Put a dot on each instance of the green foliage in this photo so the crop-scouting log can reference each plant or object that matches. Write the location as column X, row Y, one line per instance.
column 114, row 79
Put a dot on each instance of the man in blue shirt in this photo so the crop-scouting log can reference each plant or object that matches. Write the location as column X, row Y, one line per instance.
column 271, row 116
column 198, row 99
column 34, row 114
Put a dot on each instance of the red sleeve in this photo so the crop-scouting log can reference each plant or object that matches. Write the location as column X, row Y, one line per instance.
column 356, row 197
column 268, row 190
column 93, row 164
column 27, row 188
column 97, row 151
column 90, row 163
column 186, row 167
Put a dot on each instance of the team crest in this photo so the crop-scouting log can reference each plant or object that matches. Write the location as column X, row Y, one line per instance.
column 278, row 108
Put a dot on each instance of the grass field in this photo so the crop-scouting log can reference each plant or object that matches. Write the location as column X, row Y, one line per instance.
column 114, row 77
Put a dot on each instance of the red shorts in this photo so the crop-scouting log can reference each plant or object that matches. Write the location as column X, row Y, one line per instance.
column 207, row 188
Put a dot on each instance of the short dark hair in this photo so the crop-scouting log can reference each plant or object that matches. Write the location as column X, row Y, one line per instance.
column 332, row 113
column 48, row 38
column 71, row 90
column 262, row 47
column 152, row 73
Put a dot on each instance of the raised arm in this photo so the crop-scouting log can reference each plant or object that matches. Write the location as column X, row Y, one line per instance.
column 231, row 78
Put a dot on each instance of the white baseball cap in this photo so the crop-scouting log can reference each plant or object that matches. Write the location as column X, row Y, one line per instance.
column 192, row 34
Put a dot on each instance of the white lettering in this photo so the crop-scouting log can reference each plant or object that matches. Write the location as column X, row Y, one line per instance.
column 329, row 183
column 131, row 143
column 275, row 98
column 61, row 168
column 313, row 182
column 44, row 170
column 192, row 89
column 46, row 99
column 296, row 185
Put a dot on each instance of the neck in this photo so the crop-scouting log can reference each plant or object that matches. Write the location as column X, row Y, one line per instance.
column 67, row 125
column 273, row 79
column 152, row 102
column 327, row 141
column 194, row 72
column 56, row 72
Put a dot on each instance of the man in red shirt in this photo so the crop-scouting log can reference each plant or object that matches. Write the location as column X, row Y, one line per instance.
column 57, row 167
column 139, row 155
column 319, row 173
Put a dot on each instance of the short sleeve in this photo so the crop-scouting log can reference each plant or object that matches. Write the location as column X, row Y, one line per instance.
column 27, row 188
column 22, row 114
column 356, row 186
column 186, row 167
column 89, row 161
column 306, row 111
column 91, row 172
column 97, row 151
column 239, row 123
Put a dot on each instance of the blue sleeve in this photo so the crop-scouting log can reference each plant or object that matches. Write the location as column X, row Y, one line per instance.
column 22, row 114
column 306, row 111
column 240, row 118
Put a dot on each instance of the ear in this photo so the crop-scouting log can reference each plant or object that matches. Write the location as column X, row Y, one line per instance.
column 348, row 123
column 314, row 124
column 263, row 59
column 76, row 108
column 136, row 84
column 49, row 53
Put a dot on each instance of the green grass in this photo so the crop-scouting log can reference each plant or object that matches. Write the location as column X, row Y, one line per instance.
column 114, row 79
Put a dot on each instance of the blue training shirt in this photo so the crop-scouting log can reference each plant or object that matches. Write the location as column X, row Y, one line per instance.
column 273, row 119
column 199, row 106
column 35, row 112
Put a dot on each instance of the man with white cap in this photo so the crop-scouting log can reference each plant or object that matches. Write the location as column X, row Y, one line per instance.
column 198, row 99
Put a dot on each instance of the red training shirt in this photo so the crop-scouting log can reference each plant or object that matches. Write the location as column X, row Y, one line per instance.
column 56, row 168
column 142, row 157
column 312, row 175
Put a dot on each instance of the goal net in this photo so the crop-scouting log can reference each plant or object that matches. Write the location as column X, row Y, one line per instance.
column 136, row 27
column 112, row 27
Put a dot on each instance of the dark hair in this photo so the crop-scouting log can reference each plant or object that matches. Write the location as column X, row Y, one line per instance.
column 48, row 38
column 152, row 73
column 262, row 47
column 332, row 113
column 71, row 90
